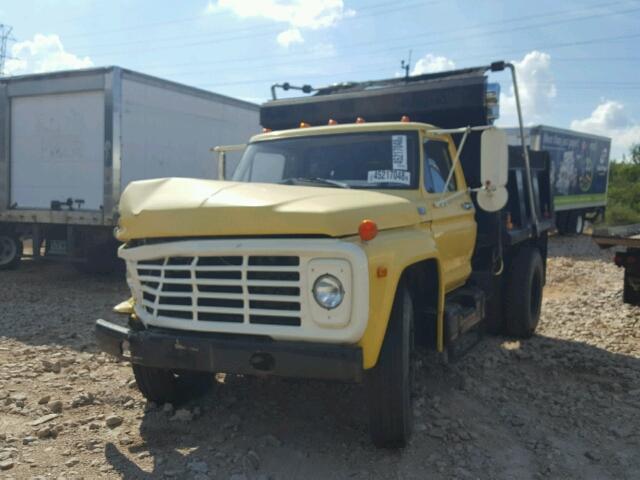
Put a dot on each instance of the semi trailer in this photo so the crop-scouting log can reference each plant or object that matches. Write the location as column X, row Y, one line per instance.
column 367, row 220
column 71, row 141
column 579, row 172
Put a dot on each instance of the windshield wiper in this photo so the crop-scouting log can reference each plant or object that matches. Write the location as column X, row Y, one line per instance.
column 316, row 180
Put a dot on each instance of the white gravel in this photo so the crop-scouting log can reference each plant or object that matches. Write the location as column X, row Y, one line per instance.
column 565, row 404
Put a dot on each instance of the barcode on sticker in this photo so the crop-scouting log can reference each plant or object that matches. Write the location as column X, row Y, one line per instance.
column 389, row 176
column 399, row 152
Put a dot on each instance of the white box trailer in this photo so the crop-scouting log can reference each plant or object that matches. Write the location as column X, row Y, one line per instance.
column 71, row 141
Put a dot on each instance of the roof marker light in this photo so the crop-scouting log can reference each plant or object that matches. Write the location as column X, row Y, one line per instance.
column 332, row 122
column 304, row 125
column 266, row 130
column 405, row 119
column 368, row 230
column 360, row 120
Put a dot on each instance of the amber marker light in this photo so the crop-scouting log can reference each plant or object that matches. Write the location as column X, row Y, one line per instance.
column 381, row 272
column 266, row 130
column 368, row 230
column 405, row 119
column 304, row 125
column 332, row 122
column 360, row 120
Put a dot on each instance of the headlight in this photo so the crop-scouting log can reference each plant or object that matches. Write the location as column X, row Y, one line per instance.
column 328, row 291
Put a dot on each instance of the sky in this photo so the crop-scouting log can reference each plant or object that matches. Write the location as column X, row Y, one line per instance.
column 577, row 61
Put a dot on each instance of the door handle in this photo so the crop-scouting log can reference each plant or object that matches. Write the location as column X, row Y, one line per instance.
column 467, row 205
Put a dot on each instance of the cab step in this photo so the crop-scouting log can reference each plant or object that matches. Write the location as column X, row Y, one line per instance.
column 463, row 313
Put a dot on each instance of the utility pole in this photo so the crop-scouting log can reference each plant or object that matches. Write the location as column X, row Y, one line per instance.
column 5, row 37
column 406, row 66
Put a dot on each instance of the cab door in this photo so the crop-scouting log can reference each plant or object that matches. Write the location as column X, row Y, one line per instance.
column 450, row 210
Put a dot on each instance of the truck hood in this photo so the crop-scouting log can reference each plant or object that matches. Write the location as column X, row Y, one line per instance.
column 184, row 207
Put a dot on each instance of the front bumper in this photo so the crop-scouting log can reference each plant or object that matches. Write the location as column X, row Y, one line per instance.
column 180, row 350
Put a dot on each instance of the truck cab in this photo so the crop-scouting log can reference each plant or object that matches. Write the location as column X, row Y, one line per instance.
column 333, row 253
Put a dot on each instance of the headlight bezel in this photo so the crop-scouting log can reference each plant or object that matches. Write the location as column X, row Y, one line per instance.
column 337, row 284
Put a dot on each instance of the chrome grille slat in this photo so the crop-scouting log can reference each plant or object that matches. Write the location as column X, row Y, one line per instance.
column 258, row 289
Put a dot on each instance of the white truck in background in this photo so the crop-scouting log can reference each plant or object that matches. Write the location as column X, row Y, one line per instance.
column 71, row 141
column 579, row 172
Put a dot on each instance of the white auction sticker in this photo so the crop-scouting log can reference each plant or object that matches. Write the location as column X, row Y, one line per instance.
column 399, row 152
column 389, row 176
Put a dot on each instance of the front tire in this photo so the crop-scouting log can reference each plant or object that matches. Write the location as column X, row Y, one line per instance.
column 161, row 386
column 10, row 251
column 388, row 384
column 523, row 295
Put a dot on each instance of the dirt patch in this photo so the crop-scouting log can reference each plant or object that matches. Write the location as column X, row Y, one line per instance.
column 564, row 404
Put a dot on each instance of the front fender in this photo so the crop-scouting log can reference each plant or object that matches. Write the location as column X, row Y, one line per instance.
column 393, row 250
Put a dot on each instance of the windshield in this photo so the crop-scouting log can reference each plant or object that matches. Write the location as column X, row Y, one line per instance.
column 350, row 160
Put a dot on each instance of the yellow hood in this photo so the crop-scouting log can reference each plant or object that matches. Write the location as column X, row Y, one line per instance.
column 185, row 207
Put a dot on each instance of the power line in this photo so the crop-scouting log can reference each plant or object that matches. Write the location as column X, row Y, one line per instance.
column 222, row 37
column 393, row 4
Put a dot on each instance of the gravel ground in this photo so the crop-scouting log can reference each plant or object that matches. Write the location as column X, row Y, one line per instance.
column 565, row 404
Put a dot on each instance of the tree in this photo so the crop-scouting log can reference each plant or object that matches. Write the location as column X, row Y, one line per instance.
column 634, row 151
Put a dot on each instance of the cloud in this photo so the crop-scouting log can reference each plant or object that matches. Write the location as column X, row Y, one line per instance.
column 290, row 36
column 45, row 53
column 431, row 64
column 611, row 119
column 537, row 90
column 298, row 14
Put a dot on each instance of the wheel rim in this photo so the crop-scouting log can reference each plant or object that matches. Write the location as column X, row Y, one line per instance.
column 8, row 250
column 579, row 224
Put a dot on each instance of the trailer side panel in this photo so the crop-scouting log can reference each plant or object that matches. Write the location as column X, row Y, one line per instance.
column 169, row 133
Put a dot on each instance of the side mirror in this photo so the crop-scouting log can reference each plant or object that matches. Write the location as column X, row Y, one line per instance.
column 494, row 170
column 494, row 158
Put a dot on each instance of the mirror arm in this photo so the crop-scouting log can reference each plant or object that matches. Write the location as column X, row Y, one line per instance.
column 453, row 168
column 222, row 150
column 443, row 202
column 534, row 213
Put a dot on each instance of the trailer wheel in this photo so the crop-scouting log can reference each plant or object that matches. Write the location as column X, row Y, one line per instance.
column 629, row 295
column 161, row 386
column 575, row 223
column 10, row 251
column 523, row 294
column 388, row 384
column 561, row 223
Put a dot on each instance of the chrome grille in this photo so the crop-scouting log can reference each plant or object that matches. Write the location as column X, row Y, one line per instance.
column 255, row 289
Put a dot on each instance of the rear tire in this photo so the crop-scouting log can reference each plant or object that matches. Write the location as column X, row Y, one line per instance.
column 388, row 384
column 161, row 386
column 523, row 293
column 10, row 251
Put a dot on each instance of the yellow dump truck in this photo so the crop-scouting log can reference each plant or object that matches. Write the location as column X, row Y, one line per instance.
column 338, row 249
